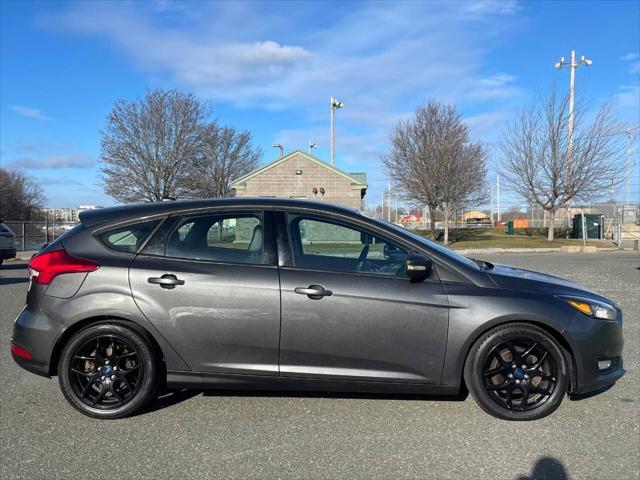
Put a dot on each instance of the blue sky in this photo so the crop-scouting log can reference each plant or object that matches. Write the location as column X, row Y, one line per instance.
column 271, row 68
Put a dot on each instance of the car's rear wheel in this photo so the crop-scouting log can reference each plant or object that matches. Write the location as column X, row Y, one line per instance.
column 517, row 372
column 108, row 370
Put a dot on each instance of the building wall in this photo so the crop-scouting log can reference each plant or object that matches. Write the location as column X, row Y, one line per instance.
column 282, row 181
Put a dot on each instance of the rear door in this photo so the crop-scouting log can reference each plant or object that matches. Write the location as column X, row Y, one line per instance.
column 350, row 312
column 209, row 283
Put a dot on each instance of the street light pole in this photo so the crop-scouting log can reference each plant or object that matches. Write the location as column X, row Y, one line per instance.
column 335, row 104
column 498, row 196
column 573, row 65
column 628, row 167
column 389, row 201
column 277, row 145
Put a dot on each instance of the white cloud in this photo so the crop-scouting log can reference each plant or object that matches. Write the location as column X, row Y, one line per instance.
column 46, row 155
column 53, row 162
column 29, row 112
column 375, row 56
column 627, row 100
column 634, row 62
column 381, row 59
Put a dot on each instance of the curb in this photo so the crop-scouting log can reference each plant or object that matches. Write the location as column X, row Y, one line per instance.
column 25, row 255
column 564, row 249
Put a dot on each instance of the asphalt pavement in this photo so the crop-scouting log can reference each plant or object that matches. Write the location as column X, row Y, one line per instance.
column 299, row 435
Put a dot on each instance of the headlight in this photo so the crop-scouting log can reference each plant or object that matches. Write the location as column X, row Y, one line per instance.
column 592, row 308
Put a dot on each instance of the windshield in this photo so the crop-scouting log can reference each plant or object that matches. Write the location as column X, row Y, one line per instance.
column 447, row 252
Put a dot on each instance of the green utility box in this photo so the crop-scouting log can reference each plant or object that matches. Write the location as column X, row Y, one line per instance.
column 510, row 227
column 594, row 225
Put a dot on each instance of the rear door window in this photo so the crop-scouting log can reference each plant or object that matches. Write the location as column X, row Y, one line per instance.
column 229, row 238
column 128, row 238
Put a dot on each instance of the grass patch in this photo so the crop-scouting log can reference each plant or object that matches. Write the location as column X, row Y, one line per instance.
column 462, row 239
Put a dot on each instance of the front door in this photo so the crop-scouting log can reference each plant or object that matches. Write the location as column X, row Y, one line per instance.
column 350, row 312
column 209, row 284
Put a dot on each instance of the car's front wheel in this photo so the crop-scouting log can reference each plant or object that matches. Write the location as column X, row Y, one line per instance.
column 108, row 370
column 517, row 372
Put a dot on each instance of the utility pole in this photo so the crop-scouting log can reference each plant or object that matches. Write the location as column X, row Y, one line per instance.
column 491, row 190
column 396, row 214
column 389, row 206
column 573, row 65
column 498, row 196
column 382, row 206
column 335, row 104
column 628, row 167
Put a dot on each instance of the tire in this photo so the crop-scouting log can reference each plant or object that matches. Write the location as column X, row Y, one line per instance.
column 121, row 352
column 499, row 384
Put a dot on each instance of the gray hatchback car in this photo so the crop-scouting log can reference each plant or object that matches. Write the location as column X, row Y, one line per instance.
column 273, row 293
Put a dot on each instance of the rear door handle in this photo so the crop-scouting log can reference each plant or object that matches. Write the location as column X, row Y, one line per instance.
column 316, row 292
column 168, row 280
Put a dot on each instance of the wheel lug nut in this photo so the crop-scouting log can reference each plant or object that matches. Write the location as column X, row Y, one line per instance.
column 511, row 375
column 518, row 382
column 103, row 378
column 526, row 376
column 524, row 366
column 115, row 368
column 113, row 377
column 106, row 362
column 99, row 369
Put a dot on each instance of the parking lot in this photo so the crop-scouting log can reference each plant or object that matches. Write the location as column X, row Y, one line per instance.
column 300, row 435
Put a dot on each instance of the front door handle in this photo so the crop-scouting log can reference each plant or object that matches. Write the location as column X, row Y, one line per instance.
column 315, row 292
column 168, row 280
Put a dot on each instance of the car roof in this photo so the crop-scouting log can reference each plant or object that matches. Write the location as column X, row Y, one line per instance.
column 124, row 213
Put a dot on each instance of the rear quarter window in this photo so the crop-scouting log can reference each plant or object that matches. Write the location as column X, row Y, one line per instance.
column 128, row 238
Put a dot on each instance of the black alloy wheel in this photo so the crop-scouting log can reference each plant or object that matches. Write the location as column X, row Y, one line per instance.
column 517, row 372
column 108, row 370
column 520, row 374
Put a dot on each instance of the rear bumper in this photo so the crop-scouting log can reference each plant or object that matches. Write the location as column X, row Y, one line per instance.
column 595, row 340
column 6, row 253
column 35, row 333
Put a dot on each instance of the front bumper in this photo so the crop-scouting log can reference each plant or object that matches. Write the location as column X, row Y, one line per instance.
column 35, row 333
column 592, row 340
column 7, row 253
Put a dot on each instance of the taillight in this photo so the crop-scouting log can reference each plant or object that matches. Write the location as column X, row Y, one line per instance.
column 18, row 351
column 45, row 267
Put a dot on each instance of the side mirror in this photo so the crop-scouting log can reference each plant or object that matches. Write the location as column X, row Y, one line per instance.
column 418, row 267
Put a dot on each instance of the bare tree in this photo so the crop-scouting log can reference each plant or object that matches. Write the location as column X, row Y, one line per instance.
column 540, row 166
column 21, row 197
column 433, row 161
column 149, row 145
column 227, row 154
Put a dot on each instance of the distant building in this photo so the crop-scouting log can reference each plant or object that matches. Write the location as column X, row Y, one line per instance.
column 300, row 175
column 69, row 215
column 82, row 208
column 476, row 216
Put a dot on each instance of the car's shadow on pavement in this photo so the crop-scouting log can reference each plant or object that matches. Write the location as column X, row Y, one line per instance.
column 547, row 467
column 170, row 398
column 584, row 396
column 12, row 280
column 14, row 266
column 312, row 394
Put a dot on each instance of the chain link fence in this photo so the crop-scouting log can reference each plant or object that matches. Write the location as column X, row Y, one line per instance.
column 33, row 235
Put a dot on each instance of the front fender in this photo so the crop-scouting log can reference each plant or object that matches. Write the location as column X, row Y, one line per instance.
column 476, row 310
